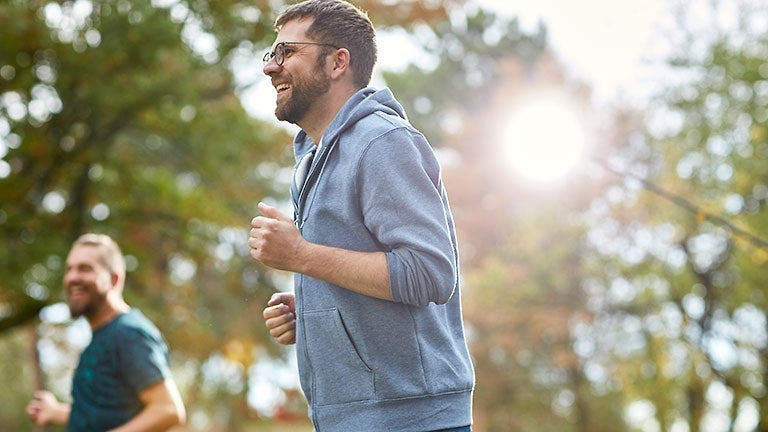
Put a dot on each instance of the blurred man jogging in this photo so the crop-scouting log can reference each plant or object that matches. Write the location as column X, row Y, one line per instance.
column 122, row 382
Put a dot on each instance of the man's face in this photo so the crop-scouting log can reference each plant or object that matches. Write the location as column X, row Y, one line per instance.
column 301, row 80
column 86, row 281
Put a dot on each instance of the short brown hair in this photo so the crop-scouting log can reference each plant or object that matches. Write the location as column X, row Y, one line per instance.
column 339, row 23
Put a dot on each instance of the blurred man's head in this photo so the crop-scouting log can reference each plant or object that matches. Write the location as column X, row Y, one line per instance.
column 95, row 270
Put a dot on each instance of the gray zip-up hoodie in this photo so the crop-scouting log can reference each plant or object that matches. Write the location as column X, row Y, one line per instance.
column 365, row 364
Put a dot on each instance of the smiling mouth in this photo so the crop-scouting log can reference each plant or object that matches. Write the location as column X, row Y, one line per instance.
column 77, row 296
column 282, row 87
column 77, row 291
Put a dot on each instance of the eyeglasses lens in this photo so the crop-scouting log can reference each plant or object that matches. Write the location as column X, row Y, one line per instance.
column 278, row 54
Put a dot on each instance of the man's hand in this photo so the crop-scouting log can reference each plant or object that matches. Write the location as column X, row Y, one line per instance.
column 280, row 317
column 274, row 239
column 44, row 408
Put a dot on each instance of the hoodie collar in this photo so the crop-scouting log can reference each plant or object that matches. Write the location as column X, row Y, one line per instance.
column 363, row 103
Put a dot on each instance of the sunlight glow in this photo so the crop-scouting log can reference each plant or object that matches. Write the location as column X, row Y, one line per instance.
column 544, row 139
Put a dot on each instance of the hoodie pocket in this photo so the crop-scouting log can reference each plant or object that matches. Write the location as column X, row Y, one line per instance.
column 339, row 373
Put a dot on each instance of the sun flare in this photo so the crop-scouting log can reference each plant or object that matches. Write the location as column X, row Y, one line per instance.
column 544, row 139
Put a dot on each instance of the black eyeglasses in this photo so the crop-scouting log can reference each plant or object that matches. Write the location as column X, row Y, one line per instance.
column 280, row 51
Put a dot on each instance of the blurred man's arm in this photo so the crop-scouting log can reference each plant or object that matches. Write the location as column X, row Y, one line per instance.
column 163, row 409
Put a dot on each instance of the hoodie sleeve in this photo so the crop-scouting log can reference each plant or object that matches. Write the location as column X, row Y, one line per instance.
column 404, row 207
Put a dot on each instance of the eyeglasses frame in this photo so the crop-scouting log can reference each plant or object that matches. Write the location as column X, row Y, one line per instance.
column 281, row 46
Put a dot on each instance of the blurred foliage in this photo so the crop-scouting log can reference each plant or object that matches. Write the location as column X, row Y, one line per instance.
column 14, row 363
column 682, row 294
column 458, row 68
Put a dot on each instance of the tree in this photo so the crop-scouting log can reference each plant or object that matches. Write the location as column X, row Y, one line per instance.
column 682, row 250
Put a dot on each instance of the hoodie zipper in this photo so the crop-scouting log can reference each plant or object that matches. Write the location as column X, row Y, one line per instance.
column 314, row 174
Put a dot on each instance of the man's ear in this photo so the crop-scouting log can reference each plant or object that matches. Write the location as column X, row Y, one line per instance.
column 340, row 60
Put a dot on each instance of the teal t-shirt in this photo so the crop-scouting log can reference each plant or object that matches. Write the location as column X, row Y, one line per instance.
column 125, row 356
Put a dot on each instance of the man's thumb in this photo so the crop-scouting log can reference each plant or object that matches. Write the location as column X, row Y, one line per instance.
column 272, row 213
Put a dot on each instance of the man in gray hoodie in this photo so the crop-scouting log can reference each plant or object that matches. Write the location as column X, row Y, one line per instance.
column 376, row 309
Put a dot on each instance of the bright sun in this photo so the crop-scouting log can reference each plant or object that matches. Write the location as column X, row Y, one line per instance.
column 544, row 139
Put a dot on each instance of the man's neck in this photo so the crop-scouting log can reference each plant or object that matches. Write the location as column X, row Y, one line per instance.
column 316, row 123
column 107, row 314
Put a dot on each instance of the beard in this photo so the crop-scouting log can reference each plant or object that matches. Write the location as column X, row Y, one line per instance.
column 86, row 302
column 304, row 94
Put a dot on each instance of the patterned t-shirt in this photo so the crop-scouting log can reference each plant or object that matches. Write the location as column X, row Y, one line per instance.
column 125, row 356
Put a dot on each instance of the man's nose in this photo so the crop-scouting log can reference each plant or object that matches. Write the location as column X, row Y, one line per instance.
column 271, row 66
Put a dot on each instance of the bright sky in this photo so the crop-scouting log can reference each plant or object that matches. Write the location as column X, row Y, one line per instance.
column 614, row 46
column 607, row 43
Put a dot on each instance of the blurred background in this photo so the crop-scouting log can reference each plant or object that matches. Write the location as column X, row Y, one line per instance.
column 607, row 164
